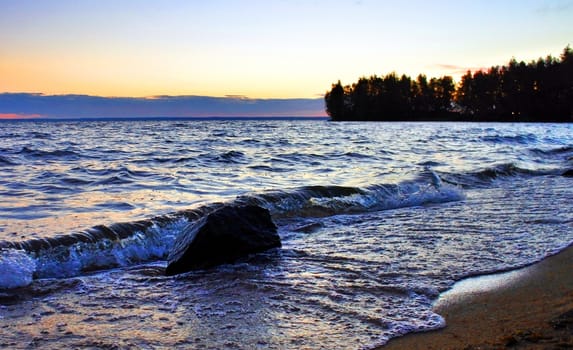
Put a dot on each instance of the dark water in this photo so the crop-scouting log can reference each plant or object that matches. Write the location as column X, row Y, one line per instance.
column 376, row 221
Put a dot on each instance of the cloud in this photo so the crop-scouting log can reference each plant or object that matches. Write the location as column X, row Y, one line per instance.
column 457, row 69
column 86, row 106
column 449, row 66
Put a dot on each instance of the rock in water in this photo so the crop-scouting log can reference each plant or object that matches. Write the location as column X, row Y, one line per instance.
column 221, row 237
column 568, row 173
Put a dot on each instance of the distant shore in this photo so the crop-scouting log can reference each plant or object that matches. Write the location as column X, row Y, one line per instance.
column 530, row 308
column 182, row 119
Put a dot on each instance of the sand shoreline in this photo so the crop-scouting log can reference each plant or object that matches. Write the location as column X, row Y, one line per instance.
column 529, row 308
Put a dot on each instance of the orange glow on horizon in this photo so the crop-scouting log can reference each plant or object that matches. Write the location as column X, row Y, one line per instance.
column 19, row 116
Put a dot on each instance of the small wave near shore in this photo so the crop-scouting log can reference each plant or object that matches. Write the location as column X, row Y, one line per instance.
column 125, row 244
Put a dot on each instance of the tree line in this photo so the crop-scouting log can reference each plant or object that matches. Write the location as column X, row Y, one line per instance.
column 538, row 91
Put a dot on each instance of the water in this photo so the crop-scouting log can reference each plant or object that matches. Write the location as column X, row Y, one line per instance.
column 376, row 221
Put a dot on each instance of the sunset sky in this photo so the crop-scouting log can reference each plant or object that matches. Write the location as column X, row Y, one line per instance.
column 261, row 48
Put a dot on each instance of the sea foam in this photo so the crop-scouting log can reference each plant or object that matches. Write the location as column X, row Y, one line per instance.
column 17, row 268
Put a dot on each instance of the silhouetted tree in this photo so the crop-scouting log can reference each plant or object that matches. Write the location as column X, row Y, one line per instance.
column 541, row 90
column 335, row 101
column 442, row 92
column 422, row 95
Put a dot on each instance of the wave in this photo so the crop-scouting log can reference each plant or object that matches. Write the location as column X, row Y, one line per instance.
column 510, row 139
column 125, row 244
column 312, row 159
column 39, row 135
column 100, row 247
column 37, row 153
column 565, row 152
column 5, row 161
column 320, row 201
column 119, row 171
column 271, row 169
column 17, row 268
column 485, row 177
column 121, row 175
column 231, row 157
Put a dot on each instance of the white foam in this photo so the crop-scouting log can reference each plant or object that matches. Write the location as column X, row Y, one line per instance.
column 16, row 269
column 427, row 321
column 382, row 198
column 151, row 244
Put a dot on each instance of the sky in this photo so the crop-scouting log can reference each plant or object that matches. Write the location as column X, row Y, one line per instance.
column 261, row 49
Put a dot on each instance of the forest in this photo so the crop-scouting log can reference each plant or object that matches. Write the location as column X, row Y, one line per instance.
column 538, row 91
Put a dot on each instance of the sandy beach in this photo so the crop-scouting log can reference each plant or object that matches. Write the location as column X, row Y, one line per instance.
column 530, row 308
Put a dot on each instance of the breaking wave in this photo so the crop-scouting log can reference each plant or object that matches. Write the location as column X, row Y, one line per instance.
column 319, row 201
column 125, row 244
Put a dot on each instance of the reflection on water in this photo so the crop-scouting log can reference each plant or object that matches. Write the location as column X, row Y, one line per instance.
column 426, row 205
column 353, row 282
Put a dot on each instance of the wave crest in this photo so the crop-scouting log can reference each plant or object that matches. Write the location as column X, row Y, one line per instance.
column 320, row 201
column 484, row 177
column 124, row 244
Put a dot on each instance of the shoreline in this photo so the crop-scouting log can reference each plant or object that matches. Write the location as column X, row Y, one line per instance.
column 527, row 308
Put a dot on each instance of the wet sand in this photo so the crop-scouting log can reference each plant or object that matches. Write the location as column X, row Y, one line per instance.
column 530, row 308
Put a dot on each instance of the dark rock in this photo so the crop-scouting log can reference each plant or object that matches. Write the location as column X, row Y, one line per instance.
column 568, row 173
column 222, row 237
